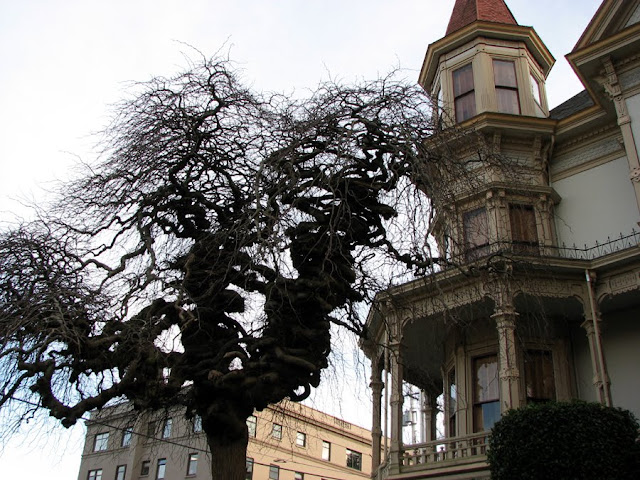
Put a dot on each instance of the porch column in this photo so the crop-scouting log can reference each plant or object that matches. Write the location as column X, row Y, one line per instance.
column 376, row 429
column 429, row 412
column 397, row 398
column 509, row 374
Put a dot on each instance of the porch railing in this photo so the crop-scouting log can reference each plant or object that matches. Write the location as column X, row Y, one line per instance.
column 437, row 453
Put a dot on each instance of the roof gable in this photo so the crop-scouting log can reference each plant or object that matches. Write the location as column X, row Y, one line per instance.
column 611, row 17
column 469, row 11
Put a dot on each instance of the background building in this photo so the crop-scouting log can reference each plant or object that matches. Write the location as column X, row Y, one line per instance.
column 546, row 304
column 286, row 442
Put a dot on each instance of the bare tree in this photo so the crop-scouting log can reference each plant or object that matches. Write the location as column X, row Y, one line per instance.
column 202, row 262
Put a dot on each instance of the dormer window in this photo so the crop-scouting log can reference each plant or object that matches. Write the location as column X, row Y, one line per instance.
column 504, row 76
column 464, row 93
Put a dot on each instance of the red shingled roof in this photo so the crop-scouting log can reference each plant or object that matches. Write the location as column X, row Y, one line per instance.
column 468, row 11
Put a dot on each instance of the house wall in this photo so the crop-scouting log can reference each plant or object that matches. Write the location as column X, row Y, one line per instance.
column 596, row 204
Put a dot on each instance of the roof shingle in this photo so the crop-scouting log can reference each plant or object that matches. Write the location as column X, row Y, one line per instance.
column 469, row 11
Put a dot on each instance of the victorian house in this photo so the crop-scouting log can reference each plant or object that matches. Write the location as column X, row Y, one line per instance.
column 542, row 298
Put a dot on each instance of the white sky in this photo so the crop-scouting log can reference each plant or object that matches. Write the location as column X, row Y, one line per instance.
column 62, row 62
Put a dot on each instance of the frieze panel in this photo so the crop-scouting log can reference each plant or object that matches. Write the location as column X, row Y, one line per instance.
column 617, row 284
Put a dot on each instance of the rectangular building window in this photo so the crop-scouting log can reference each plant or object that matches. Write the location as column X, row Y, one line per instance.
column 326, row 451
column 486, row 393
column 249, row 469
column 162, row 469
column 101, row 442
column 252, row 425
column 95, row 474
column 298, row 476
column 535, row 93
column 274, row 472
column 476, row 233
column 192, row 464
column 276, row 431
column 301, row 439
column 121, row 471
column 127, row 436
column 197, row 424
column 354, row 459
column 463, row 93
column 504, row 76
column 524, row 233
column 166, row 428
column 145, row 468
column 453, row 402
column 538, row 374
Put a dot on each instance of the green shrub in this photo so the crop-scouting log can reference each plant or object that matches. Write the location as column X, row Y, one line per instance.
column 565, row 441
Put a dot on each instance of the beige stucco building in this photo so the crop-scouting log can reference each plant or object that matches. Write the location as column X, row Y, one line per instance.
column 542, row 296
column 287, row 442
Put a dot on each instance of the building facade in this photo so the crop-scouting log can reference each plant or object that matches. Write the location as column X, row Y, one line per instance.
column 541, row 297
column 286, row 442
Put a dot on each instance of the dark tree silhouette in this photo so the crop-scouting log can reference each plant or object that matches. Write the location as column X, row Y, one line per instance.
column 202, row 262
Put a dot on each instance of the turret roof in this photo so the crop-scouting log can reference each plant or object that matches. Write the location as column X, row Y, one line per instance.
column 469, row 11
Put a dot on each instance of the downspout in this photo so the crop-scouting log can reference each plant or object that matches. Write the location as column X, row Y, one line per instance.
column 590, row 277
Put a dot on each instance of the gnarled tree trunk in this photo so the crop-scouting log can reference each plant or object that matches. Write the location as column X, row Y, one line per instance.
column 228, row 456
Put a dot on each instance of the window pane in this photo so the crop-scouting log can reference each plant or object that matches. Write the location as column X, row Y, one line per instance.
column 476, row 233
column 95, row 474
column 162, row 469
column 301, row 439
column 524, row 233
column 252, row 424
column 486, row 396
column 539, row 378
column 276, row 432
column 101, row 442
column 192, row 464
column 463, row 80
column 249, row 474
column 127, row 435
column 274, row 472
column 166, row 428
column 465, row 107
column 121, row 471
column 504, row 74
column 298, row 476
column 354, row 459
column 197, row 424
column 326, row 450
column 535, row 89
column 508, row 101
column 145, row 467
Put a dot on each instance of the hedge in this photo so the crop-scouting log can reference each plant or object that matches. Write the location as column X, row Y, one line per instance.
column 565, row 441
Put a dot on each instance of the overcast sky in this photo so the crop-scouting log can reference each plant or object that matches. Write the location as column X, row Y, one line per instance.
column 63, row 62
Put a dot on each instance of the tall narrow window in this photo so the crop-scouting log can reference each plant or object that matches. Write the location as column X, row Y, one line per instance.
column 101, row 442
column 463, row 93
column 252, row 425
column 121, row 471
column 504, row 76
column 127, row 435
column 301, row 439
column 486, row 393
column 298, row 476
column 539, row 379
column 166, row 428
column 144, row 469
column 192, row 464
column 276, row 431
column 524, row 233
column 326, row 451
column 535, row 93
column 274, row 472
column 476, row 233
column 249, row 469
column 162, row 469
column 453, row 402
column 197, row 424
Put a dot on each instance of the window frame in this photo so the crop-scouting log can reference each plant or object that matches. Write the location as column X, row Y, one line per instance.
column 127, row 437
column 145, row 468
column 196, row 425
column 354, row 459
column 301, row 439
column 167, row 426
column 524, row 229
column 248, row 468
column 192, row 460
column 276, row 431
column 101, row 442
column 161, row 464
column 252, row 425
column 274, row 472
column 327, row 449
column 480, row 404
column 471, row 219
column 95, row 474
column 121, row 469
column 460, row 94
column 535, row 354
column 504, row 85
column 298, row 476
